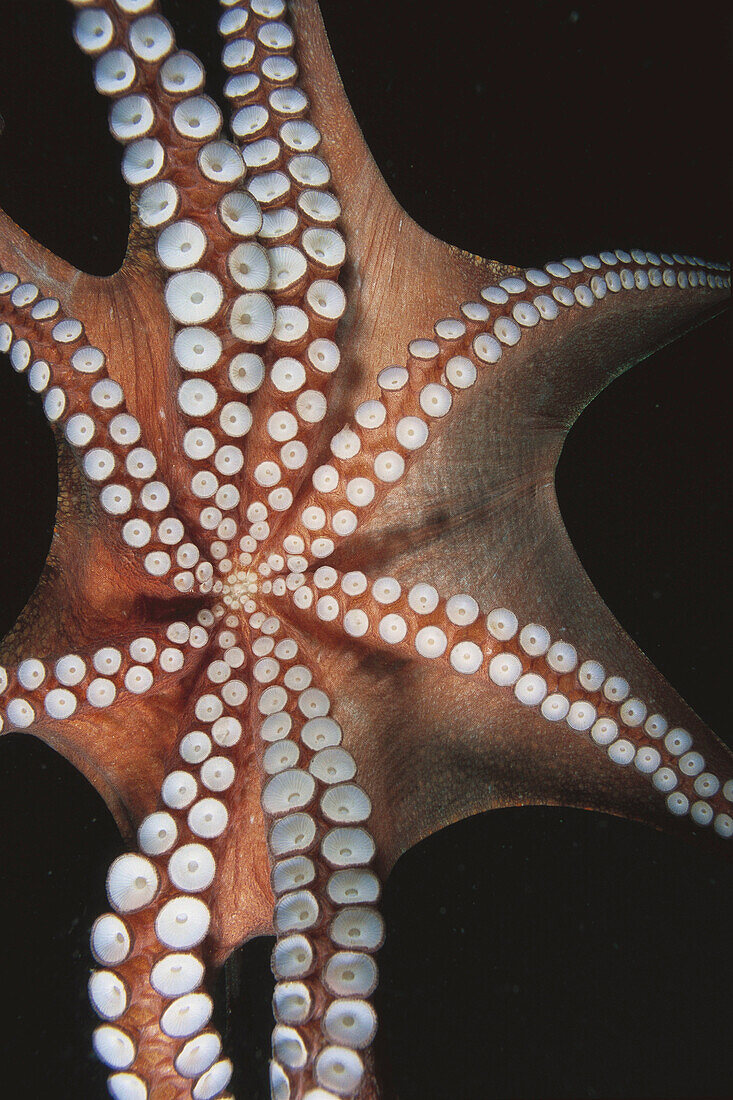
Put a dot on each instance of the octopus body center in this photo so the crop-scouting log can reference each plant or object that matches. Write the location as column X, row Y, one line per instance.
column 240, row 586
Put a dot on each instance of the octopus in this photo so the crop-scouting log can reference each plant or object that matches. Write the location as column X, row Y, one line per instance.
column 426, row 952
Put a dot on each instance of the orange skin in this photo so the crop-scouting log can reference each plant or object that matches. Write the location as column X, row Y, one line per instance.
column 391, row 261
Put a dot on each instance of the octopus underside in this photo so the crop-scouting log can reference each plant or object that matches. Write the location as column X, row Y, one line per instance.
column 548, row 952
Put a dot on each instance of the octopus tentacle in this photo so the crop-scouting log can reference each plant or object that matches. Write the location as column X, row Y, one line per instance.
column 91, row 678
column 411, row 403
column 156, row 948
column 184, row 181
column 297, row 259
column 138, row 680
column 106, row 444
column 321, row 849
column 566, row 692
column 170, row 132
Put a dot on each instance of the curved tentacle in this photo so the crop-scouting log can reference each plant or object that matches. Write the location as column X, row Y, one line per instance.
column 134, row 681
column 72, row 378
column 407, row 405
column 560, row 693
column 169, row 130
column 190, row 216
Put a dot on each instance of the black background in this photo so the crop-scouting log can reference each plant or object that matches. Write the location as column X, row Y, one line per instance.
column 533, row 952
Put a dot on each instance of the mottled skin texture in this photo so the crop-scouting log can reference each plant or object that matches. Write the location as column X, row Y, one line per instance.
column 452, row 798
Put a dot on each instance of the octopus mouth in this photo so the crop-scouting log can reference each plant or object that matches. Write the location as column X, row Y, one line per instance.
column 239, row 588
